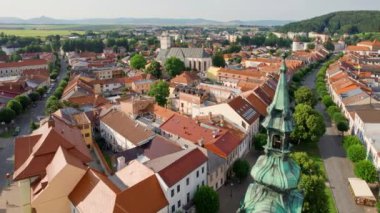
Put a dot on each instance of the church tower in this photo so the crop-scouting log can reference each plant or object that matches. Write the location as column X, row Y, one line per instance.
column 275, row 174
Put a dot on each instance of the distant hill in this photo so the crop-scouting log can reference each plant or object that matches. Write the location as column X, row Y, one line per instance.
column 138, row 21
column 338, row 22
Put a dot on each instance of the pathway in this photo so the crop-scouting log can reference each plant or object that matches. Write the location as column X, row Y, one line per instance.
column 338, row 167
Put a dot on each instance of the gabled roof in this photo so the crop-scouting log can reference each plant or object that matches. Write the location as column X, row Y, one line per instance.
column 126, row 127
column 92, row 100
column 244, row 109
column 185, row 78
column 182, row 53
column 146, row 196
column 259, row 105
column 174, row 167
column 24, row 63
column 225, row 145
column 94, row 193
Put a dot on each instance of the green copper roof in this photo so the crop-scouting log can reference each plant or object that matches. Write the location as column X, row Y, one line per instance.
column 277, row 171
column 279, row 115
column 261, row 199
column 275, row 174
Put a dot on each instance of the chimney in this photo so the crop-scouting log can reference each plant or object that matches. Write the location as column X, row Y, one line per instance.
column 221, row 120
column 200, row 142
column 120, row 163
column 210, row 116
column 51, row 122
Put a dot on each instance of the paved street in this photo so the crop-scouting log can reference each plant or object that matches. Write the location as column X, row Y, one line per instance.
column 338, row 167
column 23, row 121
column 231, row 196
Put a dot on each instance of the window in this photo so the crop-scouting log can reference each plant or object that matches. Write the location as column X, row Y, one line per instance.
column 203, row 170
column 178, row 188
column 197, row 173
column 187, row 181
column 172, row 192
column 243, row 124
column 87, row 135
column 203, row 182
column 173, row 208
column 179, row 204
column 188, row 197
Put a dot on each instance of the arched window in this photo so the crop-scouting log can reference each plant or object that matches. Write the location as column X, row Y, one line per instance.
column 276, row 142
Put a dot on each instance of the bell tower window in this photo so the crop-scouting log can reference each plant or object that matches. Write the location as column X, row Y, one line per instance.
column 277, row 142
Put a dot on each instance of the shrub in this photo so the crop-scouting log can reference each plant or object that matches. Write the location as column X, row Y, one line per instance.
column 327, row 100
column 338, row 116
column 331, row 110
column 15, row 106
column 356, row 153
column 349, row 141
column 366, row 170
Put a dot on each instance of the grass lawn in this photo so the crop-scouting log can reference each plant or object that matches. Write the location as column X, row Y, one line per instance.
column 312, row 150
column 7, row 134
column 38, row 32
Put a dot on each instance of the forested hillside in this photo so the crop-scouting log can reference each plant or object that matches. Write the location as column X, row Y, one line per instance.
column 338, row 22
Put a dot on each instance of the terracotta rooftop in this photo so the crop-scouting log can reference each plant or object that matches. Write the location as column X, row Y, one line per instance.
column 29, row 62
column 162, row 113
column 93, row 100
column 34, row 152
column 94, row 193
column 244, row 109
column 187, row 128
column 126, row 127
column 185, row 78
column 146, row 196
column 259, row 105
column 357, row 48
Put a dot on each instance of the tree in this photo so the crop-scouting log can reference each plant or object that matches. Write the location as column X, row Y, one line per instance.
column 366, row 170
column 327, row 101
column 329, row 45
column 349, row 141
column 309, row 124
column 338, row 116
column 160, row 91
column 34, row 96
column 138, row 62
column 342, row 125
column 260, row 140
column 24, row 100
column 15, row 106
column 304, row 95
column 7, row 115
column 331, row 110
column 41, row 90
column 311, row 46
column 174, row 66
column 218, row 60
column 52, row 104
column 206, row 200
column 312, row 183
column 241, row 168
column 15, row 57
column 356, row 153
column 154, row 69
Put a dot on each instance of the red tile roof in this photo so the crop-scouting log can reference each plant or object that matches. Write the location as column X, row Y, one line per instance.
column 259, row 105
column 179, row 169
column 244, row 109
column 29, row 62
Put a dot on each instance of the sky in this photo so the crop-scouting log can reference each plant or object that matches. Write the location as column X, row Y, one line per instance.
column 220, row 10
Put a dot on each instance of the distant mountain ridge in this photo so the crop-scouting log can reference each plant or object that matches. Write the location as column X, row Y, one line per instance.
column 338, row 22
column 138, row 21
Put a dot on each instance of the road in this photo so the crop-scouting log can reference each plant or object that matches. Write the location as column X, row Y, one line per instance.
column 338, row 167
column 23, row 121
